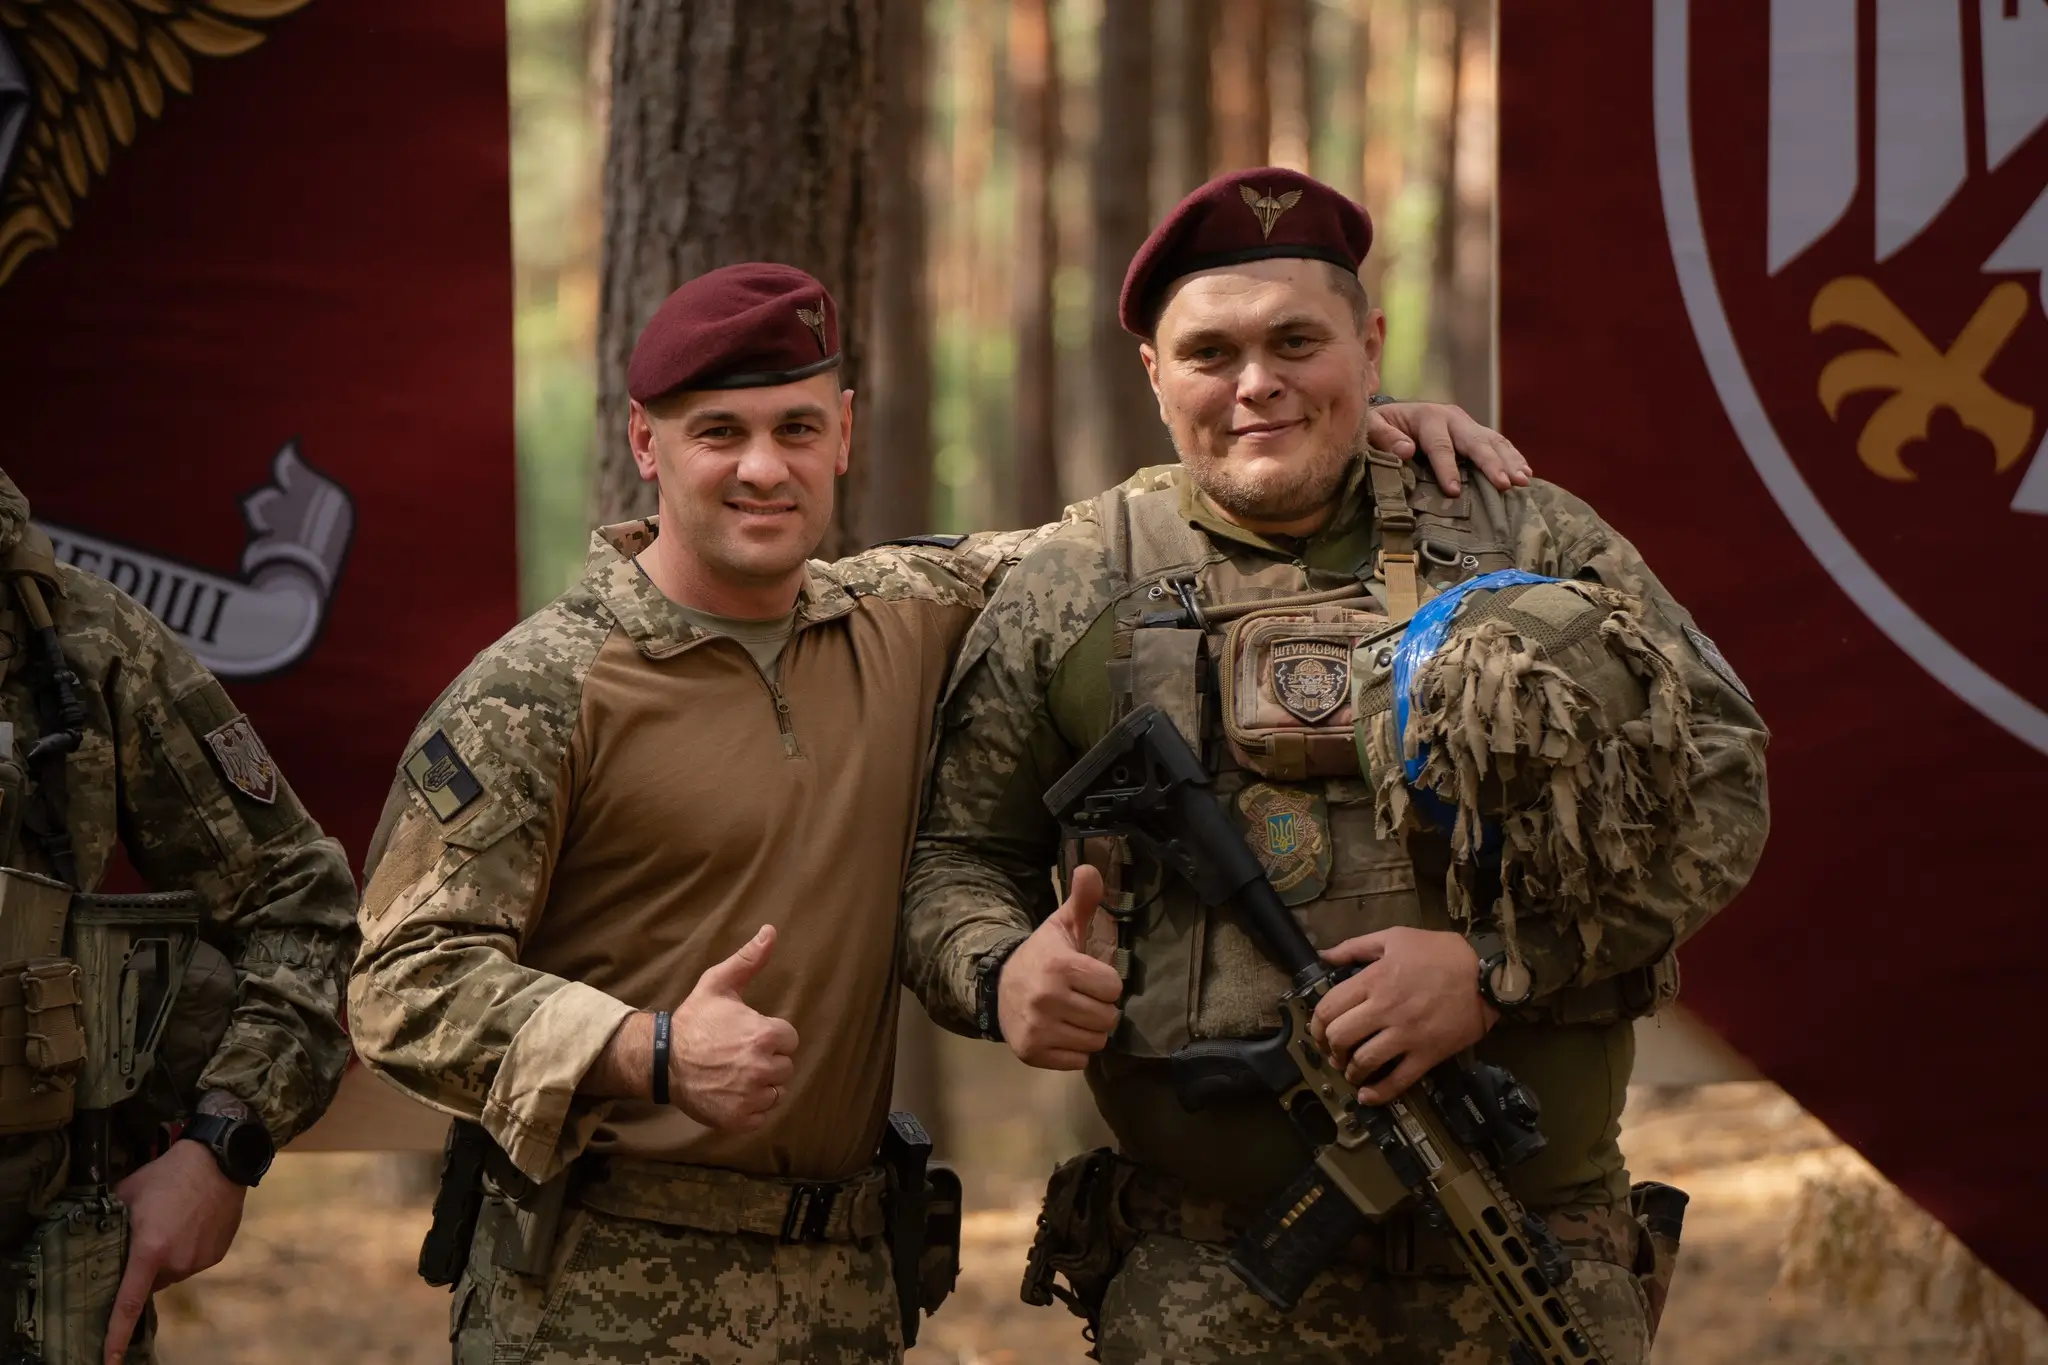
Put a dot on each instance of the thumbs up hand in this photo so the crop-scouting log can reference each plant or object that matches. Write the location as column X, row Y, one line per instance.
column 1056, row 1004
column 728, row 1063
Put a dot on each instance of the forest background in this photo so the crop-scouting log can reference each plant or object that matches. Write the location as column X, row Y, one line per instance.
column 1005, row 157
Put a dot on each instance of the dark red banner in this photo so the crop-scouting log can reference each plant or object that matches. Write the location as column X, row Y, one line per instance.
column 256, row 344
column 1772, row 300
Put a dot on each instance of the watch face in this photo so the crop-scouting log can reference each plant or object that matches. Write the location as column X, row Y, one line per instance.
column 246, row 1151
column 1510, row 982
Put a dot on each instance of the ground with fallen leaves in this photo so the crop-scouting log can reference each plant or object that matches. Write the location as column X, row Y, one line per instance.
column 323, row 1270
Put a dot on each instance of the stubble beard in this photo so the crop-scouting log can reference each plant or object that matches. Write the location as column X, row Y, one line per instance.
column 1290, row 493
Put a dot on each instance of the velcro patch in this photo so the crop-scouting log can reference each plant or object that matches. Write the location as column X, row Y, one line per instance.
column 244, row 761
column 442, row 777
column 1710, row 654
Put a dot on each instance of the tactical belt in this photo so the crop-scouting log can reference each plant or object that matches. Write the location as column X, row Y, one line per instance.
column 712, row 1200
column 1401, row 1244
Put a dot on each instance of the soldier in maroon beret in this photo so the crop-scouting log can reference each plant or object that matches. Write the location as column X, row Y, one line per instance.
column 633, row 913
column 1246, row 593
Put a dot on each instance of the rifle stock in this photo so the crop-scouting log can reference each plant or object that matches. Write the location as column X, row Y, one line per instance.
column 1438, row 1144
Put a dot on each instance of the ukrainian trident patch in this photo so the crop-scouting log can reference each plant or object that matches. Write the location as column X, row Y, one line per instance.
column 1288, row 830
column 1311, row 678
column 443, row 779
column 243, row 760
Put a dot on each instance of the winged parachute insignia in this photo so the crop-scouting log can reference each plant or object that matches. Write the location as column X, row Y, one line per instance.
column 78, row 77
column 814, row 318
column 1267, row 207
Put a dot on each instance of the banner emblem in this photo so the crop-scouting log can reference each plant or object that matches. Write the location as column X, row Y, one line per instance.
column 243, row 760
column 1868, row 285
column 1312, row 678
column 1288, row 831
column 264, row 621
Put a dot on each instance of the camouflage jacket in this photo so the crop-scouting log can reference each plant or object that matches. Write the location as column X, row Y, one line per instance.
column 171, row 772
column 1031, row 693
column 601, row 807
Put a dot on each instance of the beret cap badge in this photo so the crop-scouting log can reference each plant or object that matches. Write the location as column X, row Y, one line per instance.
column 1268, row 207
column 814, row 318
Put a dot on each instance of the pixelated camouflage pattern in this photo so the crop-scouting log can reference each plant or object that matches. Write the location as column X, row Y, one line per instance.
column 1026, row 700
column 621, row 1291
column 1176, row 1301
column 276, row 895
column 438, row 993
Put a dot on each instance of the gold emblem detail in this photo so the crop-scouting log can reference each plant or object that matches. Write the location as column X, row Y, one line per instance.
column 100, row 69
column 244, row 761
column 1267, row 207
column 1281, row 827
column 1312, row 678
column 1920, row 376
column 814, row 318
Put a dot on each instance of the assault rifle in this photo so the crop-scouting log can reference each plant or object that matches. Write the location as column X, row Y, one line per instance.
column 1439, row 1144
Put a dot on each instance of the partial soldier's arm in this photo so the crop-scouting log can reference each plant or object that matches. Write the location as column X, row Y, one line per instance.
column 439, row 1003
column 1711, row 858
column 978, row 878
column 204, row 808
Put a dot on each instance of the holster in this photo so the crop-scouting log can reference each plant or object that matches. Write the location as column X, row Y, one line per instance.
column 923, row 1209
column 445, row 1250
column 1082, row 1235
column 65, row 1278
column 1661, row 1211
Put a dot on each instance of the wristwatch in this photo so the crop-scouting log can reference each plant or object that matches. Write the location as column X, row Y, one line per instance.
column 1504, row 982
column 241, row 1146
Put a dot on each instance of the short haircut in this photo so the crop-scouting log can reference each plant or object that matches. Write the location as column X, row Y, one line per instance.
column 1352, row 289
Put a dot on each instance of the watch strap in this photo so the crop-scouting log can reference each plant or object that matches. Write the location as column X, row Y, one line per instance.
column 988, row 971
column 663, row 1027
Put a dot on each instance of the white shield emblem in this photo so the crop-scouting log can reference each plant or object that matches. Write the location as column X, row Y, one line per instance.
column 1861, row 239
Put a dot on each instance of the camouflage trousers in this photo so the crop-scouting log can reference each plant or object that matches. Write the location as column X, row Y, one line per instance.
column 1176, row 1301
column 622, row 1291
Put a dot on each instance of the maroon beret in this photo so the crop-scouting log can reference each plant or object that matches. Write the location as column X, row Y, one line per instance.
column 1243, row 216
column 739, row 327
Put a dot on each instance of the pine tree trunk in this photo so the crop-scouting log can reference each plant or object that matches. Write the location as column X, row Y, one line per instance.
column 1185, row 31
column 1291, row 83
column 1460, row 306
column 1125, row 418
column 1244, row 116
column 741, row 130
column 894, row 408
column 1034, row 86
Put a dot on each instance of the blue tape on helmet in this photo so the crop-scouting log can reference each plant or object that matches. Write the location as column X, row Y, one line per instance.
column 1419, row 642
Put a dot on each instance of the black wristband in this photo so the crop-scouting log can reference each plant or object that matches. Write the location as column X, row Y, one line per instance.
column 661, row 1030
column 987, row 973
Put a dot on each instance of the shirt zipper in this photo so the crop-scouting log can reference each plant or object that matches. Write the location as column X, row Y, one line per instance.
column 782, row 722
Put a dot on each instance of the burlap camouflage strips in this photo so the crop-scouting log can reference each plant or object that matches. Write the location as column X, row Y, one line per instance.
column 277, row 897
column 621, row 1291
column 1176, row 1302
column 1030, row 695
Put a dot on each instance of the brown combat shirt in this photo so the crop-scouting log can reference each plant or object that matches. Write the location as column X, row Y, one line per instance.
column 639, row 799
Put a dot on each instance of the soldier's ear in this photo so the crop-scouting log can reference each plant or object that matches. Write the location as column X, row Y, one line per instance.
column 845, row 429
column 640, row 436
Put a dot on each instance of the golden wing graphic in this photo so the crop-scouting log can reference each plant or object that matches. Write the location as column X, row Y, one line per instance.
column 95, row 70
column 1250, row 195
column 1289, row 200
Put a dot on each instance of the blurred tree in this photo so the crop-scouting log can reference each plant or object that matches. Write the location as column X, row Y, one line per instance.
column 1184, row 32
column 1290, row 83
column 741, row 130
column 1238, row 62
column 1126, row 420
column 1034, row 90
column 895, row 405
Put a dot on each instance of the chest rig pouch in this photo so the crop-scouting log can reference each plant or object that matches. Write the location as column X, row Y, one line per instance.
column 1259, row 666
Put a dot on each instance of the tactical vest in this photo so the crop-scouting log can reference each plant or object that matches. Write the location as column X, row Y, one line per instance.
column 91, row 986
column 1195, row 634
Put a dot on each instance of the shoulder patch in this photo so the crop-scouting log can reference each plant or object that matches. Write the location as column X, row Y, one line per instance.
column 936, row 542
column 243, row 760
column 443, row 779
column 1711, row 655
